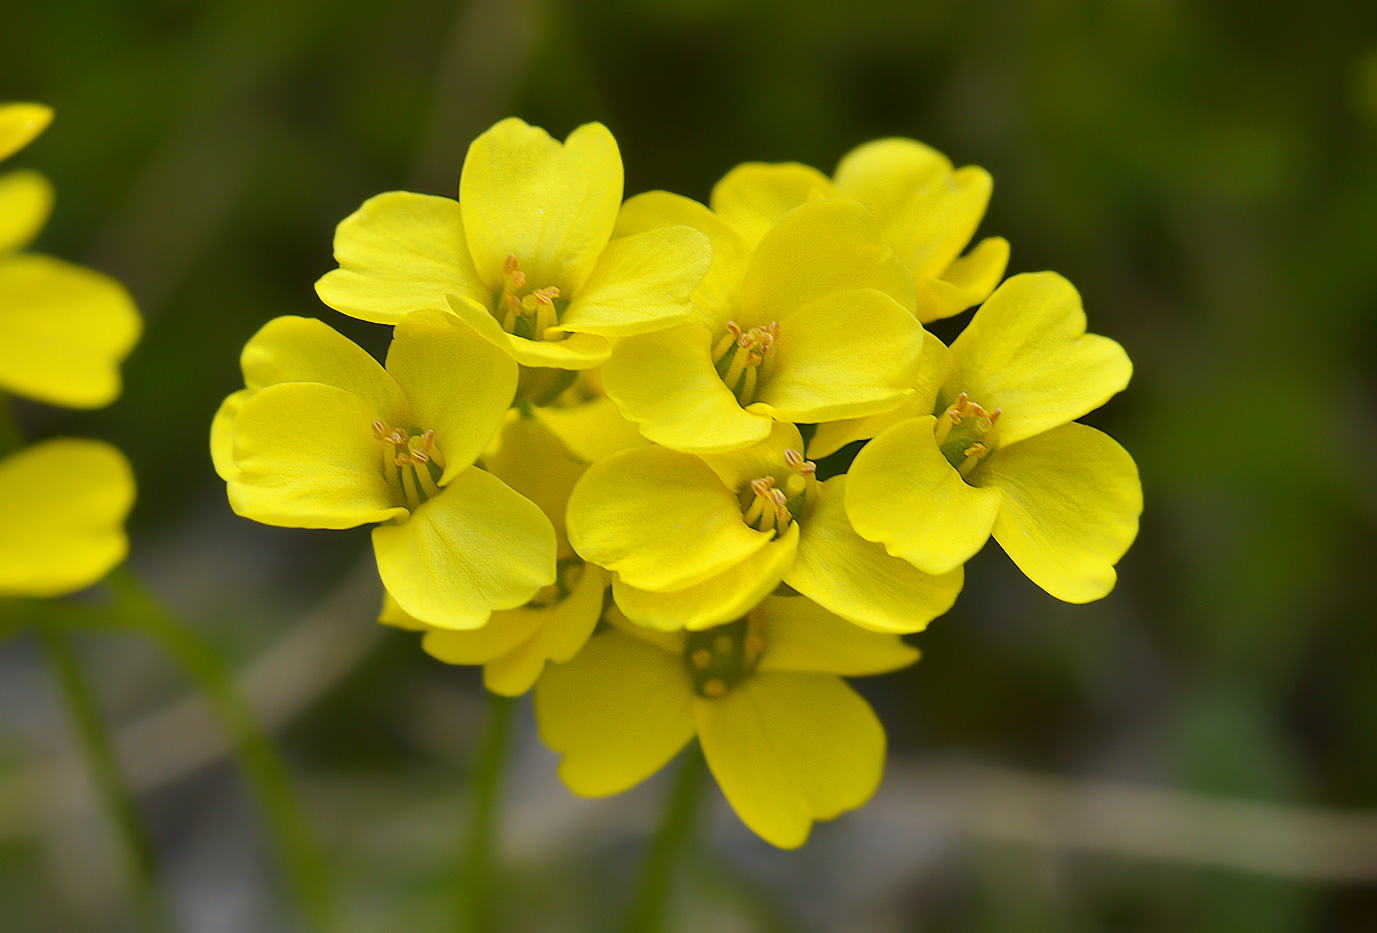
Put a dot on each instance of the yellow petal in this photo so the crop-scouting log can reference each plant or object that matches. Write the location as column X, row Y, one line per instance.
column 222, row 434
column 970, row 279
column 802, row 636
column 933, row 370
column 667, row 384
column 848, row 354
column 856, row 579
column 504, row 632
column 720, row 598
column 552, row 206
column 307, row 458
column 904, row 494
column 576, row 351
column 788, row 749
column 661, row 519
column 459, row 385
column 886, row 174
column 401, row 252
column 396, row 616
column 1026, row 352
column 818, row 248
column 63, row 331
column 474, row 548
column 617, row 713
column 303, row 349
column 19, row 124
column 736, row 468
column 566, row 629
column 718, row 289
column 26, row 198
column 62, row 509
column 754, row 196
column 590, row 430
column 532, row 461
column 641, row 283
column 1070, row 509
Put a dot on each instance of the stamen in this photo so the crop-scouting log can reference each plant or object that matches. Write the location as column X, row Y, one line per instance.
column 738, row 355
column 967, row 433
column 525, row 313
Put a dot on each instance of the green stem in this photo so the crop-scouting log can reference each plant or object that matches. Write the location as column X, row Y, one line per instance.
column 105, row 773
column 667, row 848
column 11, row 438
column 264, row 770
column 476, row 862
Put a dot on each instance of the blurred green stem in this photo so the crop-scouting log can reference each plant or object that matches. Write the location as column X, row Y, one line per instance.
column 476, row 863
column 105, row 774
column 667, row 848
column 264, row 770
column 11, row 438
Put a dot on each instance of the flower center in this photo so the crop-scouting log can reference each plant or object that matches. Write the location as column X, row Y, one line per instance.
column 770, row 505
column 567, row 574
column 411, row 462
column 524, row 311
column 721, row 657
column 966, row 434
column 739, row 355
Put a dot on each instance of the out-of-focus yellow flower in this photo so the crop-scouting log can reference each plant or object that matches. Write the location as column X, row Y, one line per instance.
column 62, row 509
column 1003, row 454
column 526, row 255
column 324, row 437
column 63, row 328
column 515, row 644
column 787, row 739
column 812, row 321
column 926, row 210
column 698, row 540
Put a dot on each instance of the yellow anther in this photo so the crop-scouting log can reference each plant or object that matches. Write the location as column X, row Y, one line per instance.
column 420, row 456
column 797, row 462
column 739, row 353
column 715, row 688
column 380, row 430
column 702, row 659
column 512, row 271
column 754, row 644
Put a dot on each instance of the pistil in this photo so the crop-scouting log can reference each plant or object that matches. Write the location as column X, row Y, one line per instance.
column 966, row 433
column 412, row 461
column 739, row 354
column 768, row 504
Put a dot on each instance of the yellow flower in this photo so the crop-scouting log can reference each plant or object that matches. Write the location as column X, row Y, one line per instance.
column 62, row 509
column 926, row 210
column 1003, row 454
column 515, row 644
column 526, row 255
column 63, row 328
column 698, row 540
column 787, row 739
column 813, row 322
column 324, row 437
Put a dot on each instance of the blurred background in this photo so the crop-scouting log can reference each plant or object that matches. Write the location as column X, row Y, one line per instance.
column 1198, row 751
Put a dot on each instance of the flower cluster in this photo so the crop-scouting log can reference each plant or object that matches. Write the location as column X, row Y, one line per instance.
column 63, row 331
column 595, row 442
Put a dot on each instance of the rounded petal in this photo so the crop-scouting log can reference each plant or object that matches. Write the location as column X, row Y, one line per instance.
column 717, row 290
column 566, row 629
column 802, row 636
column 788, row 749
column 401, row 252
column 1071, row 501
column 736, row 468
column 754, row 196
column 617, row 713
column 967, row 281
column 574, row 351
column 307, row 458
column 721, row 598
column 857, row 579
column 818, row 248
column 904, row 494
column 222, row 434
column 1026, row 351
column 66, row 328
column 661, row 519
column 504, row 632
column 641, row 283
column 26, row 199
column 459, row 385
column 62, row 509
column 476, row 547
column 590, row 430
column 886, row 174
column 848, row 354
column 551, row 205
column 304, row 349
column 19, row 124
column 666, row 383
column 397, row 617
